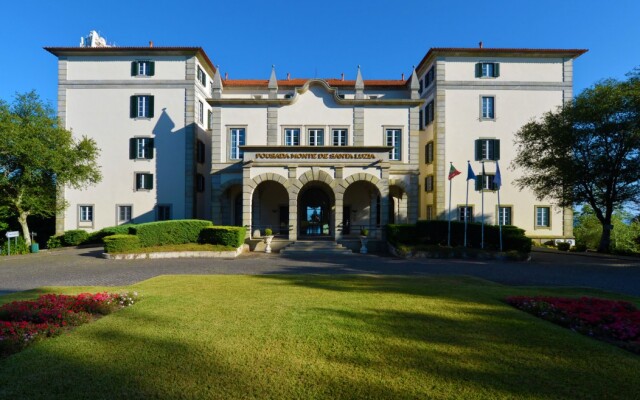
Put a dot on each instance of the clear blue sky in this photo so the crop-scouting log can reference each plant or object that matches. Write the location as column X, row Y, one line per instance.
column 319, row 39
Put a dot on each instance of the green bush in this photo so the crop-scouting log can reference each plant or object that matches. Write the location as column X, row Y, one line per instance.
column 169, row 232
column 74, row 237
column 563, row 246
column 98, row 236
column 16, row 248
column 551, row 243
column 435, row 232
column 54, row 242
column 121, row 243
column 224, row 235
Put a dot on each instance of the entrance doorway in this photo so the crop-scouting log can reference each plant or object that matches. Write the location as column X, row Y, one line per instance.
column 314, row 212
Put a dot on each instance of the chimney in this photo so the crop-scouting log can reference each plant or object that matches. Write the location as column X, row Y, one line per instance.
column 288, row 76
column 403, row 76
column 480, row 44
column 226, row 76
column 342, row 79
column 150, row 43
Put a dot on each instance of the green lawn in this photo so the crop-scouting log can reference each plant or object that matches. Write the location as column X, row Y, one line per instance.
column 305, row 337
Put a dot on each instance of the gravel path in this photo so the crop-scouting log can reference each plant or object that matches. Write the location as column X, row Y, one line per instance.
column 85, row 267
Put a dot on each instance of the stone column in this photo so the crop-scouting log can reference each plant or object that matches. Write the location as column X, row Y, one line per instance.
column 216, row 200
column 247, row 192
column 293, row 203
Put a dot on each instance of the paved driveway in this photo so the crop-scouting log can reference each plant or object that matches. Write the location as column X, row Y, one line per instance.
column 82, row 267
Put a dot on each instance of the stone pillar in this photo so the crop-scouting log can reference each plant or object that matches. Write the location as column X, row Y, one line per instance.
column 216, row 200
column 339, row 214
column 384, row 199
column 292, row 190
column 412, row 199
column 247, row 192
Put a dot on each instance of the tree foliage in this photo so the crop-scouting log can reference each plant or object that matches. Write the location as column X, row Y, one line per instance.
column 625, row 236
column 36, row 154
column 588, row 151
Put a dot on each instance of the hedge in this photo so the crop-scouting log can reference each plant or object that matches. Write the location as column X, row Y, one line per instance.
column 74, row 237
column 97, row 237
column 121, row 243
column 169, row 232
column 224, row 235
column 436, row 232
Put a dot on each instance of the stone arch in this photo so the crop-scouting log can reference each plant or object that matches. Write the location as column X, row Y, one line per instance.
column 248, row 193
column 269, row 176
column 312, row 175
column 363, row 176
column 222, row 206
column 228, row 184
column 399, row 205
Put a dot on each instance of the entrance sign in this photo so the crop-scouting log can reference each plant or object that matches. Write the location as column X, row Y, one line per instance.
column 12, row 234
column 317, row 156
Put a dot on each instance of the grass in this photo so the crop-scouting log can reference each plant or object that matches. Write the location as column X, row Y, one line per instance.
column 180, row 247
column 308, row 337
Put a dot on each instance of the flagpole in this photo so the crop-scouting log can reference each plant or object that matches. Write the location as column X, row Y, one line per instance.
column 499, row 219
column 466, row 207
column 449, row 233
column 482, row 211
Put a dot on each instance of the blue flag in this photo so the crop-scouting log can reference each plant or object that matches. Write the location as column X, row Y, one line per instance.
column 497, row 180
column 470, row 174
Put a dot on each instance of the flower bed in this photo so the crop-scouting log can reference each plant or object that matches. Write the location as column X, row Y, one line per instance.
column 25, row 322
column 613, row 321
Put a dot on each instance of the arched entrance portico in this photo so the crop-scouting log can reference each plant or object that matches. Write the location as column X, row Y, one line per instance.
column 316, row 211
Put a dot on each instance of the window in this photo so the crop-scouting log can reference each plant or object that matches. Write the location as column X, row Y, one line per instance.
column 141, row 106
column 428, row 183
column 429, row 213
column 504, row 216
column 202, row 77
column 292, row 137
column 421, row 87
column 487, row 149
column 485, row 182
column 429, row 77
column 394, row 138
column 86, row 213
column 428, row 153
column 143, row 68
column 237, row 140
column 140, row 148
column 465, row 213
column 144, row 181
column 488, row 107
column 340, row 137
column 316, row 137
column 200, row 152
column 200, row 183
column 542, row 217
column 487, row 70
column 421, row 119
column 429, row 115
column 124, row 214
column 200, row 112
column 163, row 212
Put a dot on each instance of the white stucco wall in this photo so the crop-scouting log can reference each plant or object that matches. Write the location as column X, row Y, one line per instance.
column 511, row 69
column 119, row 68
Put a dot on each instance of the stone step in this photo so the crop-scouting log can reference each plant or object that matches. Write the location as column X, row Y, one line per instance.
column 322, row 247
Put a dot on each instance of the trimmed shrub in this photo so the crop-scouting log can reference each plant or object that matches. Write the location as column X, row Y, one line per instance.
column 563, row 246
column 169, row 232
column 121, row 243
column 224, row 235
column 54, row 242
column 435, row 232
column 74, row 237
column 97, row 237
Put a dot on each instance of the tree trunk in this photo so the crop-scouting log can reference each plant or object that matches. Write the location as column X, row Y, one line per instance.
column 22, row 219
column 605, row 239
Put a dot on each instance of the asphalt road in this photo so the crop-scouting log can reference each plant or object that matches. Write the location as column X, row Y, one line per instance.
column 85, row 267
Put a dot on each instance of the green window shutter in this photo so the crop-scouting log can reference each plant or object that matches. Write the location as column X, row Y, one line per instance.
column 133, row 107
column 152, row 68
column 421, row 120
column 149, row 149
column 478, row 150
column 150, row 106
column 134, row 68
column 496, row 70
column 496, row 149
column 150, row 176
column 478, row 70
column 132, row 148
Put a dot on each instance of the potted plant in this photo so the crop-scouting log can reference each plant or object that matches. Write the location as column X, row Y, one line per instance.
column 363, row 240
column 268, row 237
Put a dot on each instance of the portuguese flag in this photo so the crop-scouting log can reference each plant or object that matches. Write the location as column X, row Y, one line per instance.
column 453, row 172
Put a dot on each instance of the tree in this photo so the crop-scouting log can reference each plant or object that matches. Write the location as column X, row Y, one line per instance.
column 624, row 235
column 37, row 155
column 588, row 151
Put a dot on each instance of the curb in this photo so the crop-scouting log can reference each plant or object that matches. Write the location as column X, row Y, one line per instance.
column 585, row 254
column 177, row 254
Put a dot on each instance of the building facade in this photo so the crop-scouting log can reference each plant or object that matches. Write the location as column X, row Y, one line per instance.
column 305, row 157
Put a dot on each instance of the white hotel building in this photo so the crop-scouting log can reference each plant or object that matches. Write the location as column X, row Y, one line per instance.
column 305, row 157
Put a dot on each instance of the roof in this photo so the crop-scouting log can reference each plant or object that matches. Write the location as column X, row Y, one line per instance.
column 488, row 51
column 143, row 51
column 297, row 82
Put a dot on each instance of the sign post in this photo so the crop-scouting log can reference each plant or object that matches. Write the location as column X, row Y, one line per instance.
column 9, row 235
